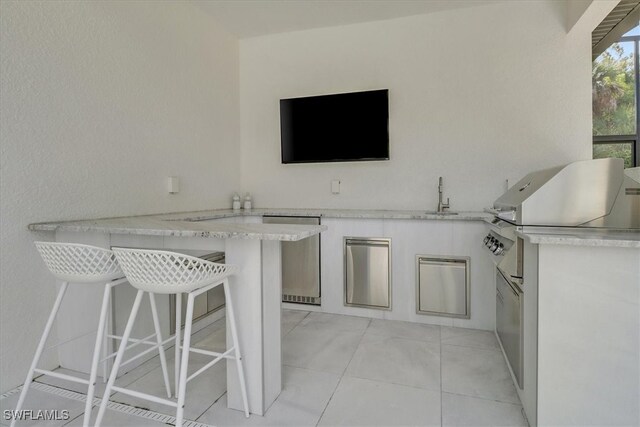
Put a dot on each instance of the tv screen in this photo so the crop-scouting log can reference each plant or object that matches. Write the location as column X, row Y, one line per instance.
column 343, row 127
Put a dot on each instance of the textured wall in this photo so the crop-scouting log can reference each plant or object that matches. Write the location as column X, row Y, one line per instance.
column 100, row 102
column 477, row 95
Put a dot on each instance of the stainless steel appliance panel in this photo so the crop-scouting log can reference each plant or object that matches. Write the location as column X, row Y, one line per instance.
column 367, row 272
column 443, row 286
column 626, row 210
column 215, row 298
column 300, row 263
column 509, row 323
column 569, row 195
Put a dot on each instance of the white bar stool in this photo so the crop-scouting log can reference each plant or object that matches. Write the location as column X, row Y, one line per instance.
column 165, row 272
column 84, row 264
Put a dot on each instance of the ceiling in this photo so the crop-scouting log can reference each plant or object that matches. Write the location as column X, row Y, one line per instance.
column 621, row 19
column 251, row 18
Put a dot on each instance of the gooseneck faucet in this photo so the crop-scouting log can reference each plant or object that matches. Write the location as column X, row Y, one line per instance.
column 441, row 206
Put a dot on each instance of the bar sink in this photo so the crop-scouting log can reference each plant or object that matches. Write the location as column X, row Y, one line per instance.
column 445, row 213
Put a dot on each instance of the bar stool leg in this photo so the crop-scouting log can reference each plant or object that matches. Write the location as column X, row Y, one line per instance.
column 163, row 360
column 105, row 342
column 40, row 348
column 177, row 341
column 119, row 356
column 182, row 384
column 96, row 355
column 236, row 345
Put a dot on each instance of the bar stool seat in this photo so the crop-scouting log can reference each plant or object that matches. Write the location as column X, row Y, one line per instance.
column 89, row 265
column 163, row 272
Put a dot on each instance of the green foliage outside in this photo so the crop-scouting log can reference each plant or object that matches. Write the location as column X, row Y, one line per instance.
column 614, row 104
column 623, row 151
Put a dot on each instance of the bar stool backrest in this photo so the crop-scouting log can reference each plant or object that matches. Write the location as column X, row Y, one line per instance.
column 76, row 263
column 168, row 272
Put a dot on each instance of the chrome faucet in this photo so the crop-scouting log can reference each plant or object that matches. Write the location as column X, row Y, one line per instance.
column 441, row 206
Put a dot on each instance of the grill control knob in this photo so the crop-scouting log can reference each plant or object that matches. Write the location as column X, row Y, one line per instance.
column 486, row 239
column 499, row 249
column 494, row 246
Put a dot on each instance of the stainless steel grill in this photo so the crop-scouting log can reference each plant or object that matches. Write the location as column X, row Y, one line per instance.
column 591, row 193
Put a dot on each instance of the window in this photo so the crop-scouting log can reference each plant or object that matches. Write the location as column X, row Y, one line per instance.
column 615, row 101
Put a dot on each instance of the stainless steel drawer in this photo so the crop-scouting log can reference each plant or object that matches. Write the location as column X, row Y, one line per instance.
column 367, row 272
column 443, row 286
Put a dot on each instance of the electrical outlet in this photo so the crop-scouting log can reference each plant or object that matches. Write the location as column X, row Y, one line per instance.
column 335, row 186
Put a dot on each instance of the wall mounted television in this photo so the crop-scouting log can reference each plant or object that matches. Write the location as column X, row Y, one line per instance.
column 343, row 127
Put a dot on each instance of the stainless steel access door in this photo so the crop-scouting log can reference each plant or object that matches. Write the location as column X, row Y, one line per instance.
column 509, row 323
column 300, row 263
column 367, row 272
column 443, row 286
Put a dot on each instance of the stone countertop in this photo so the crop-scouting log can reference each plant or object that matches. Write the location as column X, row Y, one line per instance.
column 330, row 213
column 156, row 225
column 203, row 224
column 581, row 237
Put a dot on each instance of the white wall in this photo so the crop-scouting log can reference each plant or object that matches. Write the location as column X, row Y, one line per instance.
column 100, row 102
column 477, row 96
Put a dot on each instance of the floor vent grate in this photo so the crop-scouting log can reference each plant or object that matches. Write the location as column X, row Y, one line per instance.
column 114, row 406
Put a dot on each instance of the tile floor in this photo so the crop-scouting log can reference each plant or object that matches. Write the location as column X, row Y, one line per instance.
column 338, row 370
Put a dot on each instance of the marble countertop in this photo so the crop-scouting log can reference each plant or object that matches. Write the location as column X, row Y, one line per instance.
column 581, row 237
column 157, row 225
column 203, row 224
column 332, row 213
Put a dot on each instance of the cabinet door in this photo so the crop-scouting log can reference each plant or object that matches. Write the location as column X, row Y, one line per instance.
column 367, row 273
column 443, row 287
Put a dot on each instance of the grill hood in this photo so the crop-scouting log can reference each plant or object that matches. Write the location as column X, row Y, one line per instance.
column 591, row 193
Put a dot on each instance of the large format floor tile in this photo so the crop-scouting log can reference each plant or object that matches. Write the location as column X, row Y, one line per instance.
column 338, row 370
column 290, row 319
column 122, row 381
column 477, row 372
column 325, row 350
column 202, row 391
column 335, row 322
column 460, row 410
column 469, row 337
column 359, row 402
column 211, row 338
column 397, row 329
column 397, row 360
column 215, row 341
column 304, row 396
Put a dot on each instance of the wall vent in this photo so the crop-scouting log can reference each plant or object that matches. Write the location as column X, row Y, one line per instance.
column 300, row 299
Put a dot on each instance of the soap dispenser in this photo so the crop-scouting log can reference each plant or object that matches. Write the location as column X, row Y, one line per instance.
column 247, row 202
column 236, row 202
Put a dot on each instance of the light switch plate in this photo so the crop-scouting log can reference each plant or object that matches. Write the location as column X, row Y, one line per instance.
column 173, row 184
column 335, row 186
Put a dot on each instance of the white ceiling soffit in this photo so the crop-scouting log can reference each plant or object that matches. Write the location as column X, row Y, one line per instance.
column 621, row 19
column 251, row 18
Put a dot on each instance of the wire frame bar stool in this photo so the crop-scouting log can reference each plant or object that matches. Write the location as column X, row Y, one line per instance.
column 89, row 265
column 163, row 272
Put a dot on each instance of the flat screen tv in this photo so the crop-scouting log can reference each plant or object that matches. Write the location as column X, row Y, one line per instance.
column 344, row 127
